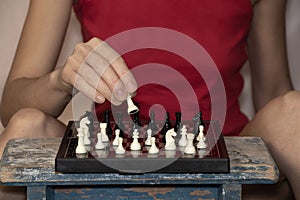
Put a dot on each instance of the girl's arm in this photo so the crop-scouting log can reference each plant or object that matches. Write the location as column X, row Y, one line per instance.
column 94, row 68
column 267, row 52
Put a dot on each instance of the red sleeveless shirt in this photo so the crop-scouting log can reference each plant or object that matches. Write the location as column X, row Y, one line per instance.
column 219, row 26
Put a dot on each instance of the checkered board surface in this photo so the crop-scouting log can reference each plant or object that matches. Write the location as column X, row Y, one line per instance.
column 214, row 159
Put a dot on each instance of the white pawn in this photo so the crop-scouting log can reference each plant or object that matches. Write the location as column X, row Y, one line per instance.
column 99, row 144
column 120, row 149
column 80, row 149
column 116, row 140
column 153, row 149
column 201, row 144
column 135, row 154
column 148, row 140
column 183, row 140
column 135, row 145
column 170, row 154
column 103, row 132
column 86, row 139
column 190, row 149
column 202, row 153
column 201, row 134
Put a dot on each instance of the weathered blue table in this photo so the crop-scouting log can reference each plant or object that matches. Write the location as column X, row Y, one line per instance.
column 30, row 163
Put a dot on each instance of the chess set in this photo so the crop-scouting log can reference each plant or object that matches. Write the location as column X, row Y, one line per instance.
column 134, row 147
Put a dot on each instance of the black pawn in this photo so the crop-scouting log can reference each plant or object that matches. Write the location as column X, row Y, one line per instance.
column 136, row 119
column 167, row 126
column 177, row 122
column 136, row 122
column 106, row 120
column 152, row 124
column 119, row 124
column 198, row 120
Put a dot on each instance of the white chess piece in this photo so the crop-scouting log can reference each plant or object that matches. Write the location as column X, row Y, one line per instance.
column 153, row 149
column 135, row 154
column 80, row 149
column 170, row 154
column 135, row 145
column 183, row 140
column 201, row 138
column 201, row 134
column 149, row 135
column 103, row 132
column 99, row 144
column 202, row 153
column 201, row 144
column 84, row 122
column 190, row 149
column 170, row 141
column 132, row 109
column 116, row 140
column 86, row 139
column 120, row 149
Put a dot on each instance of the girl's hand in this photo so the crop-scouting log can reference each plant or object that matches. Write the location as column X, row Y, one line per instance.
column 98, row 71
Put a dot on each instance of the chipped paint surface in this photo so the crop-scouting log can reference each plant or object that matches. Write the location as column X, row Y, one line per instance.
column 152, row 191
column 200, row 193
column 27, row 160
column 31, row 162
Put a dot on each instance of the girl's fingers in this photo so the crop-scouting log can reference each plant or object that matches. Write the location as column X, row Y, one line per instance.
column 99, row 72
column 92, row 78
column 116, row 62
column 80, row 84
column 107, row 73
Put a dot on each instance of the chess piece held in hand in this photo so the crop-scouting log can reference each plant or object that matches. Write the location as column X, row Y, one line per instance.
column 132, row 109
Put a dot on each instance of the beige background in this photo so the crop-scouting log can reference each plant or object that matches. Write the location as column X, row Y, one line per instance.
column 13, row 12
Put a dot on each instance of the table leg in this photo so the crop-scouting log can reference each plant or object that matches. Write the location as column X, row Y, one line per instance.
column 40, row 193
column 231, row 191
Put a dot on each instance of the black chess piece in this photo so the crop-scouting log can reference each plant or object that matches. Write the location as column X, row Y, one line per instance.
column 136, row 121
column 167, row 126
column 152, row 124
column 106, row 120
column 177, row 125
column 198, row 120
column 119, row 124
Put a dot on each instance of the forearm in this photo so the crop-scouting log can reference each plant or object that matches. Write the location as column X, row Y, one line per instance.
column 267, row 52
column 262, row 96
column 43, row 93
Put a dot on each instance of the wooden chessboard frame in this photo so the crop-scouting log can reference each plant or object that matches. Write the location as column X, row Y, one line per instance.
column 66, row 162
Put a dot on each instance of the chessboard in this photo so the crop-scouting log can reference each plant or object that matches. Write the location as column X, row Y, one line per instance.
column 213, row 159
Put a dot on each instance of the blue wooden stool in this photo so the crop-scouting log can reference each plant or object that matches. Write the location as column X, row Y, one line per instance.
column 30, row 163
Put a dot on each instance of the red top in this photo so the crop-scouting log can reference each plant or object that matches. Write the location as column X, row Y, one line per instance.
column 219, row 26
